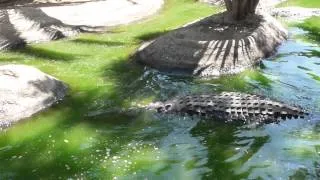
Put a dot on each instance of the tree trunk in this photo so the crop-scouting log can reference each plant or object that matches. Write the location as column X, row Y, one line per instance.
column 240, row 9
column 228, row 4
column 253, row 6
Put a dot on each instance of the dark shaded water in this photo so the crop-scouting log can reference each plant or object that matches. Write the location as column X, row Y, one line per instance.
column 129, row 144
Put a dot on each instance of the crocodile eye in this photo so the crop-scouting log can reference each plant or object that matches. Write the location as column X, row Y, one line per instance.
column 168, row 106
column 160, row 109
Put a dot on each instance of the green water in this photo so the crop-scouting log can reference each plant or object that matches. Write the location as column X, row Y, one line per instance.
column 100, row 133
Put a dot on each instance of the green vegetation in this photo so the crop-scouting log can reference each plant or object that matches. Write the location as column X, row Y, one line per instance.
column 314, row 76
column 312, row 25
column 302, row 3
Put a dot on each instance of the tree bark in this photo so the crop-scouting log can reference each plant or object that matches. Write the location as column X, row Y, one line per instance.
column 236, row 9
column 228, row 4
column 240, row 9
column 253, row 6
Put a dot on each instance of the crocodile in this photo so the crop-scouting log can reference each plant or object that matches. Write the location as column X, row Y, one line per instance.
column 231, row 107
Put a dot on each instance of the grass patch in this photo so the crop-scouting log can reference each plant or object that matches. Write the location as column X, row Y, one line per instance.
column 301, row 3
column 312, row 25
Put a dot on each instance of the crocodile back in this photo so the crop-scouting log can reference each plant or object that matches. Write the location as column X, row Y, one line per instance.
column 230, row 106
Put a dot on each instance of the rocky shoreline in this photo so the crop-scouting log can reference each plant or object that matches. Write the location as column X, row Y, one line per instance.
column 46, row 23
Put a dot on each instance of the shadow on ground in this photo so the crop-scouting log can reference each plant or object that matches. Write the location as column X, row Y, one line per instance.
column 46, row 54
column 97, row 42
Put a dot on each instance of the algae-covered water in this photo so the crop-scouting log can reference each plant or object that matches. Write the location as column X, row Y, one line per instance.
column 101, row 133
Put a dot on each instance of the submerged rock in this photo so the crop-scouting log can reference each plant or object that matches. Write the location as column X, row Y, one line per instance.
column 24, row 91
column 214, row 46
column 231, row 106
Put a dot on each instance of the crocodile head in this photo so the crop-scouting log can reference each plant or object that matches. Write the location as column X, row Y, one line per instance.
column 163, row 107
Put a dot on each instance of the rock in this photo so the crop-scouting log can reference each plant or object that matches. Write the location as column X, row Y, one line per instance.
column 44, row 20
column 268, row 5
column 295, row 13
column 34, row 25
column 9, row 37
column 26, row 24
column 24, row 91
column 213, row 2
column 230, row 107
column 214, row 46
column 105, row 13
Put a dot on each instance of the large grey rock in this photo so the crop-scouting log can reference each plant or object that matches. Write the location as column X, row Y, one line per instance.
column 34, row 25
column 214, row 46
column 9, row 37
column 43, row 20
column 24, row 91
column 27, row 24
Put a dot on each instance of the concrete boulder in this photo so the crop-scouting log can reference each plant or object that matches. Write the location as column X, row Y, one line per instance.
column 25, row 91
column 34, row 25
column 214, row 46
column 27, row 25
column 9, row 37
